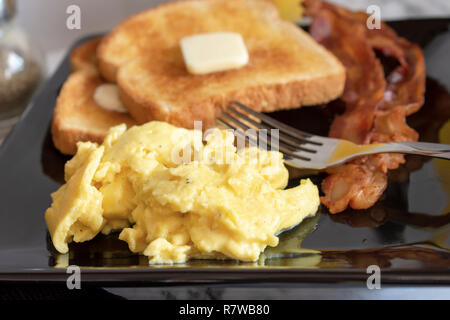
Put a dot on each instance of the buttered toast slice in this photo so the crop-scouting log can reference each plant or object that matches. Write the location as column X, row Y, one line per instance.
column 78, row 117
column 84, row 56
column 286, row 68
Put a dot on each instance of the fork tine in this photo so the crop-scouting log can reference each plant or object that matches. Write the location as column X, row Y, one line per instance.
column 299, row 163
column 292, row 152
column 277, row 124
column 237, row 130
column 289, row 146
column 289, row 140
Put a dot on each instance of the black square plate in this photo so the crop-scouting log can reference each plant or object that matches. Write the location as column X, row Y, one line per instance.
column 406, row 233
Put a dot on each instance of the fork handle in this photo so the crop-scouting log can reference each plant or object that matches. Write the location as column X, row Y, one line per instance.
column 436, row 150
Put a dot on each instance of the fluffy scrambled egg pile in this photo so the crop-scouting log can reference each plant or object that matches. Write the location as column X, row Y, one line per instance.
column 176, row 197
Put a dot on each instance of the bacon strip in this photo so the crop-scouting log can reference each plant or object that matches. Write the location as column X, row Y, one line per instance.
column 376, row 107
column 365, row 76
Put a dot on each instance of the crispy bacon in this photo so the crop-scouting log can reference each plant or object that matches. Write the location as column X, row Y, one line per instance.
column 352, row 184
column 376, row 106
column 365, row 76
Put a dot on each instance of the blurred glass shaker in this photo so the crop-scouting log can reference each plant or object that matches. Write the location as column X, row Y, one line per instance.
column 20, row 66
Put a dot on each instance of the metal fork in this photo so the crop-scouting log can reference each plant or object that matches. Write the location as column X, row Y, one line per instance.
column 305, row 150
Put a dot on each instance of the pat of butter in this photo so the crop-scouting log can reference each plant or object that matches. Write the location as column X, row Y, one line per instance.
column 107, row 96
column 214, row 52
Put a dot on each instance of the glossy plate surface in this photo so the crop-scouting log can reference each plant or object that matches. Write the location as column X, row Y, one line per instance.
column 406, row 233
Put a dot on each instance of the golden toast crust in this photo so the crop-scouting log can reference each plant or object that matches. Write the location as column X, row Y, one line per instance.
column 84, row 56
column 77, row 117
column 267, row 98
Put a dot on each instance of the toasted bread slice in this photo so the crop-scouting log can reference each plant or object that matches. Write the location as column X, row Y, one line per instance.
column 287, row 68
column 77, row 117
column 84, row 56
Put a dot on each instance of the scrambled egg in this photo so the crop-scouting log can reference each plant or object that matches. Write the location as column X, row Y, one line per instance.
column 175, row 197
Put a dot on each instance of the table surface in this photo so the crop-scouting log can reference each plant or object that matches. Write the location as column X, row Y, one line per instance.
column 227, row 292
